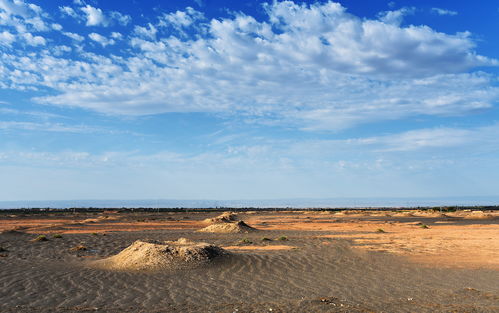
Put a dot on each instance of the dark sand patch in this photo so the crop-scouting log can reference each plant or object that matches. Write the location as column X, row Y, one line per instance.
column 261, row 248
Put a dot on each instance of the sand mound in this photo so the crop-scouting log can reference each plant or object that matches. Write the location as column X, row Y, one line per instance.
column 431, row 214
column 231, row 227
column 169, row 255
column 403, row 214
column 478, row 215
column 225, row 217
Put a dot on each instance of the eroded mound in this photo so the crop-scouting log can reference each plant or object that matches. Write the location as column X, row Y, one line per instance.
column 180, row 254
column 431, row 214
column 228, row 227
column 403, row 214
column 225, row 217
column 478, row 215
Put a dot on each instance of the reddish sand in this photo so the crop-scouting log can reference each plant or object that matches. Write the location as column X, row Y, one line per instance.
column 97, row 225
column 445, row 242
column 448, row 241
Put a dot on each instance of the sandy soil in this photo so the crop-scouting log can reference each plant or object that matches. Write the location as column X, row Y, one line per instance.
column 296, row 262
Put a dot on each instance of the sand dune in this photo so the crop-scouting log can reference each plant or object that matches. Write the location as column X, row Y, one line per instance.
column 226, row 217
column 228, row 227
column 142, row 255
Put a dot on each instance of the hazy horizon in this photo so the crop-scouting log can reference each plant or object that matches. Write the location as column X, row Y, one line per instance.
column 258, row 203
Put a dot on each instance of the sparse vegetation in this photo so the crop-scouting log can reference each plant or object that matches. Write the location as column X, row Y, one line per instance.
column 41, row 238
column 266, row 239
column 424, row 226
column 95, row 234
column 380, row 230
column 282, row 238
column 57, row 236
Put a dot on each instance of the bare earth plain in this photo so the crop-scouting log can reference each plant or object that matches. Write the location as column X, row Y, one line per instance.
column 300, row 261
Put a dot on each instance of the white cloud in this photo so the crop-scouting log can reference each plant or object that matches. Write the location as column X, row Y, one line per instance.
column 22, row 16
column 68, row 11
column 18, row 8
column 309, row 66
column 116, row 35
column 180, row 19
column 120, row 18
column 443, row 11
column 395, row 17
column 94, row 16
column 34, row 40
column 60, row 50
column 146, row 32
column 45, row 127
column 101, row 39
column 6, row 38
column 56, row 26
column 73, row 36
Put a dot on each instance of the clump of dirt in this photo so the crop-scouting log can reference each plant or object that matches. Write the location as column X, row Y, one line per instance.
column 169, row 255
column 228, row 227
column 225, row 217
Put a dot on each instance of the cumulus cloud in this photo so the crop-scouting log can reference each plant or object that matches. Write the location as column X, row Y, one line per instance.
column 56, row 26
column 73, row 36
column 395, row 17
column 116, row 35
column 18, row 8
column 34, row 40
column 94, row 16
column 313, row 66
column 180, row 19
column 440, row 11
column 148, row 32
column 101, row 39
column 22, row 16
column 120, row 18
column 68, row 11
column 6, row 38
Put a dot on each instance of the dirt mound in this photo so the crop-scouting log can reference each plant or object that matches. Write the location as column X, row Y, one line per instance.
column 230, row 227
column 143, row 256
column 225, row 217
column 432, row 214
column 403, row 214
column 478, row 215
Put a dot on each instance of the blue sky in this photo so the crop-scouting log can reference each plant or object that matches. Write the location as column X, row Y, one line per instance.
column 248, row 100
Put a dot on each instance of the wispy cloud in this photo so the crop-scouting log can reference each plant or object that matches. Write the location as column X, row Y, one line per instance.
column 48, row 127
column 440, row 11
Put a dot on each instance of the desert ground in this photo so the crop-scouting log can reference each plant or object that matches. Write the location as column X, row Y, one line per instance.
column 258, row 261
